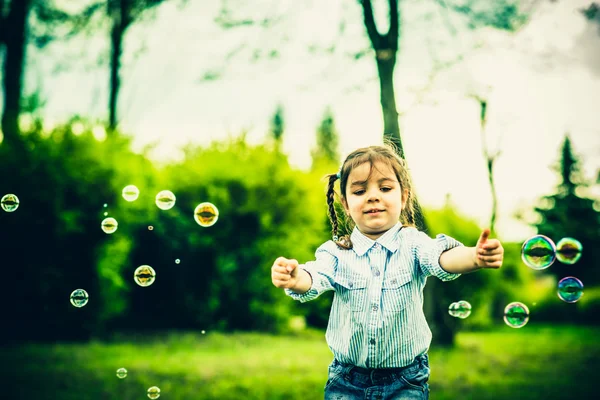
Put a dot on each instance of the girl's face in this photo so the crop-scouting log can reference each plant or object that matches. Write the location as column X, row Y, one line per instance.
column 374, row 202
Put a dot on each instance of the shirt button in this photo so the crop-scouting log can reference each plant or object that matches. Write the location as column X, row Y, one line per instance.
column 377, row 246
column 375, row 307
column 376, row 272
column 372, row 341
column 350, row 284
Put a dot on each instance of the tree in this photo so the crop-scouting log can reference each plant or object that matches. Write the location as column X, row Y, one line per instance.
column 568, row 214
column 490, row 158
column 123, row 14
column 13, row 33
column 277, row 125
column 326, row 150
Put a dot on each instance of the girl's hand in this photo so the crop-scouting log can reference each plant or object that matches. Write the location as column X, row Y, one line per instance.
column 489, row 253
column 284, row 273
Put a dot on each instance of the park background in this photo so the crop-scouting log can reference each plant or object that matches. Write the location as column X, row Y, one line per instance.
column 247, row 105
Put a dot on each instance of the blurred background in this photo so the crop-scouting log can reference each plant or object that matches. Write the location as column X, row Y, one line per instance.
column 247, row 105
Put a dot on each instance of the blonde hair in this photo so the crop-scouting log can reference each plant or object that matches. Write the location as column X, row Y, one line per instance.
column 371, row 155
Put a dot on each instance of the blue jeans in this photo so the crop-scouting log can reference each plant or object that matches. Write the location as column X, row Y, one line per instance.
column 347, row 382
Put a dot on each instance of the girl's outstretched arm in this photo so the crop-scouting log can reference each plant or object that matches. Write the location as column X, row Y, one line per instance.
column 488, row 253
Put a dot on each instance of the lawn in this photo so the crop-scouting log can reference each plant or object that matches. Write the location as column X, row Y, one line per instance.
column 535, row 362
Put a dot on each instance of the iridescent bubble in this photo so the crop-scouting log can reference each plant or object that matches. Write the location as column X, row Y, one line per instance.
column 203, row 332
column 206, row 214
column 105, row 214
column 79, row 298
column 130, row 193
column 177, row 261
column 460, row 309
column 150, row 228
column 9, row 202
column 105, row 205
column 165, row 200
column 516, row 315
column 570, row 289
column 121, row 373
column 154, row 392
column 109, row 225
column 568, row 250
column 144, row 275
column 538, row 252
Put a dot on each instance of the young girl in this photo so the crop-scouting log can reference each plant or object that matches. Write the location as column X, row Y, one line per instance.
column 377, row 329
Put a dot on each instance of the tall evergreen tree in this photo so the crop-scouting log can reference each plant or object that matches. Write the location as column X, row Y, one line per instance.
column 277, row 124
column 568, row 214
column 326, row 151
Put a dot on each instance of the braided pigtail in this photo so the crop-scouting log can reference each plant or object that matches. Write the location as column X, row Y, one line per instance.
column 330, row 205
column 344, row 241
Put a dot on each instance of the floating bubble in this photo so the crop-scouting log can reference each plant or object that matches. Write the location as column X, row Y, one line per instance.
column 516, row 315
column 144, row 275
column 570, row 289
column 121, row 373
column 79, row 298
column 177, row 261
column 165, row 200
column 9, row 202
column 130, row 193
column 206, row 214
column 154, row 392
column 203, row 331
column 109, row 225
column 568, row 250
column 105, row 205
column 105, row 214
column 150, row 228
column 538, row 252
column 460, row 309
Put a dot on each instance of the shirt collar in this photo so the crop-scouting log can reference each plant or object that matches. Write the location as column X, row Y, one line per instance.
column 390, row 240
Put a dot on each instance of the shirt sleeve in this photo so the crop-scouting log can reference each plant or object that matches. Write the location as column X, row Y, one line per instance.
column 427, row 252
column 322, row 271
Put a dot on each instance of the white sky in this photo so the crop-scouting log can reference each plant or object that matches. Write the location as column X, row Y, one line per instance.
column 540, row 83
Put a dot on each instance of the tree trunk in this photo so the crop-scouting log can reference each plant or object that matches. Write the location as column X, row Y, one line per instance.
column 386, row 47
column 120, row 17
column 14, row 39
column 386, row 61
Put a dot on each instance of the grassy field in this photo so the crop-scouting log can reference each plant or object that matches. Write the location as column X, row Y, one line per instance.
column 535, row 362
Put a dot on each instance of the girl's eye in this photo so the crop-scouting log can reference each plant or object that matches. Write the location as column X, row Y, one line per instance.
column 386, row 189
column 359, row 192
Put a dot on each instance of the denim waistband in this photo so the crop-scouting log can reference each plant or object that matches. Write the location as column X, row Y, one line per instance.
column 382, row 371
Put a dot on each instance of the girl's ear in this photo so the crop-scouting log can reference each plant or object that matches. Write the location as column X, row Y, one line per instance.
column 404, row 198
column 345, row 204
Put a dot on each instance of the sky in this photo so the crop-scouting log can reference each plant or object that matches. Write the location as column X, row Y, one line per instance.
column 540, row 83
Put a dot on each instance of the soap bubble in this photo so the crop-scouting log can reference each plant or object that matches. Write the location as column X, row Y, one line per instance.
column 570, row 289
column 568, row 250
column 165, row 200
column 79, row 298
column 154, row 392
column 177, row 261
column 109, row 225
column 460, row 309
column 150, row 228
column 130, row 193
column 144, row 275
column 9, row 202
column 516, row 315
column 206, row 214
column 538, row 252
column 121, row 373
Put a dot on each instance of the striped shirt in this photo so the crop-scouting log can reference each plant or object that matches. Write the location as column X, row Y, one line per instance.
column 377, row 318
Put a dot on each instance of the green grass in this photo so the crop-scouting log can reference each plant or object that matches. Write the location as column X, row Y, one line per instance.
column 535, row 362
